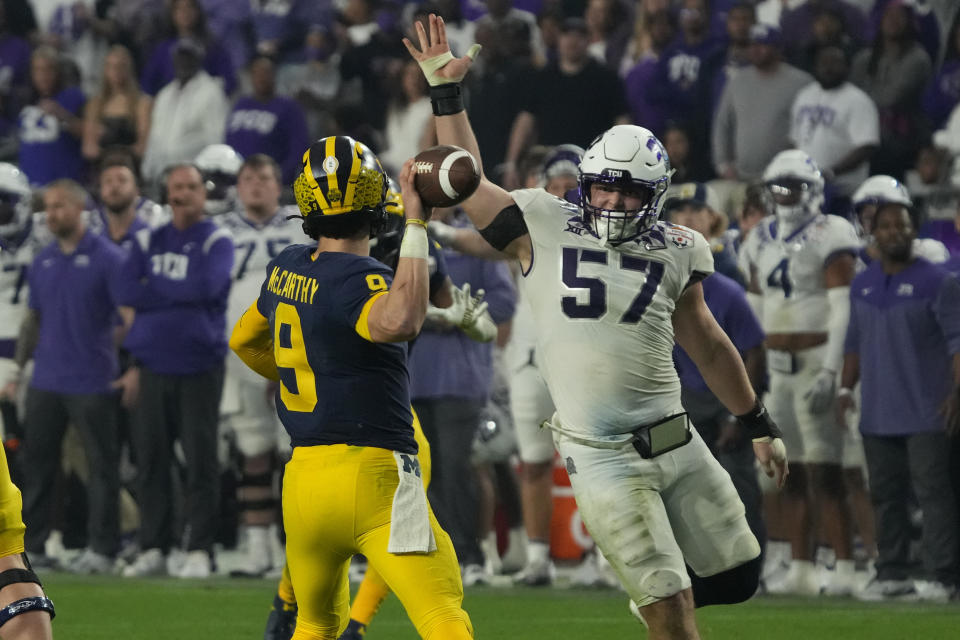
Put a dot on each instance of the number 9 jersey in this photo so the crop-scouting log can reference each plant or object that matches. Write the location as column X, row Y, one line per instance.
column 790, row 270
column 604, row 317
column 336, row 385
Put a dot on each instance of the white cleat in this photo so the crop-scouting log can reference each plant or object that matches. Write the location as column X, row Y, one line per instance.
column 148, row 563
column 91, row 563
column 932, row 591
column 197, row 565
column 535, row 574
column 474, row 575
column 880, row 590
column 799, row 580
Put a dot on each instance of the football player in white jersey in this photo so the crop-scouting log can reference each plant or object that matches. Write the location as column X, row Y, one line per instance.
column 260, row 230
column 610, row 289
column 881, row 189
column 219, row 165
column 17, row 245
column 800, row 264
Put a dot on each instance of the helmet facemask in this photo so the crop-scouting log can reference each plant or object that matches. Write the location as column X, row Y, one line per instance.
column 793, row 199
column 618, row 226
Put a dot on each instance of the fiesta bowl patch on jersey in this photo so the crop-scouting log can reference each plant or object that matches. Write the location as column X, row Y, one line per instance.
column 681, row 237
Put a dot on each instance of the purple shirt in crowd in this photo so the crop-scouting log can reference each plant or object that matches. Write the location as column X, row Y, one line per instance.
column 905, row 327
column 277, row 128
column 178, row 282
column 229, row 23
column 448, row 363
column 727, row 302
column 943, row 94
column 14, row 77
column 47, row 150
column 75, row 298
column 685, row 81
column 285, row 24
column 638, row 85
column 158, row 71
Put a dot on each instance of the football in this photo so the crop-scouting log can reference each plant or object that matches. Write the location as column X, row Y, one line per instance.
column 445, row 175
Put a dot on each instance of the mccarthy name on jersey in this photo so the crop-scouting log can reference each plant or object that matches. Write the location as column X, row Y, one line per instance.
column 604, row 317
column 790, row 269
column 256, row 245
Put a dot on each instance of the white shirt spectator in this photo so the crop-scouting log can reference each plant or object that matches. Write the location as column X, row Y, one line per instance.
column 829, row 124
column 949, row 137
column 185, row 119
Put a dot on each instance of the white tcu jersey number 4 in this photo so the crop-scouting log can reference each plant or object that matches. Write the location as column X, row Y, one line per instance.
column 605, row 316
column 790, row 270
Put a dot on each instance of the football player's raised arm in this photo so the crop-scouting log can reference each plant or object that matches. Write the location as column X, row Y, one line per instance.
column 491, row 209
column 397, row 314
column 252, row 341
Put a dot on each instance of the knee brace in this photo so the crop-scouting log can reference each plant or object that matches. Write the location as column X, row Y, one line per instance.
column 727, row 587
column 35, row 603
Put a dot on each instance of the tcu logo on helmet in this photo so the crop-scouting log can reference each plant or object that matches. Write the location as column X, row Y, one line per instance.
column 654, row 145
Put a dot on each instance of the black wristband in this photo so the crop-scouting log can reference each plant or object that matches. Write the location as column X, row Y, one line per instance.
column 446, row 99
column 759, row 424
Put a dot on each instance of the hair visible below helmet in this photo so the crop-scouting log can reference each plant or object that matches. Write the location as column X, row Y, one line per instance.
column 629, row 157
column 219, row 165
column 15, row 204
column 794, row 185
column 341, row 187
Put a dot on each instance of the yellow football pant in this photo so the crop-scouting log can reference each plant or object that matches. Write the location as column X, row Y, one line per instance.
column 373, row 590
column 337, row 501
column 11, row 506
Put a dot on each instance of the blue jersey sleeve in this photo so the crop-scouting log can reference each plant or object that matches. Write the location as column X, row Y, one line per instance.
column 360, row 287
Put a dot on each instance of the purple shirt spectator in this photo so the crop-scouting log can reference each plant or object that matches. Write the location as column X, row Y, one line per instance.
column 75, row 297
column 797, row 24
column 14, row 78
column 229, row 24
column 943, row 94
column 448, row 363
column 158, row 71
column 280, row 27
column 905, row 328
column 276, row 127
column 47, row 150
column 639, row 86
column 178, row 282
column 727, row 302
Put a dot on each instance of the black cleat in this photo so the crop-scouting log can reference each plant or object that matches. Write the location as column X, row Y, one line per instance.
column 281, row 621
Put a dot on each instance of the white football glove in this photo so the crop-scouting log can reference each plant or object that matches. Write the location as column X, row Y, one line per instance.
column 821, row 394
column 467, row 312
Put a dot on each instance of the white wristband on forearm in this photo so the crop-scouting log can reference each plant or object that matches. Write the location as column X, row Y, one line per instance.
column 415, row 243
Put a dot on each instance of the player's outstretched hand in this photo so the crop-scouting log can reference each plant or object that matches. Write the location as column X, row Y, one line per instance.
column 434, row 56
column 412, row 205
column 772, row 456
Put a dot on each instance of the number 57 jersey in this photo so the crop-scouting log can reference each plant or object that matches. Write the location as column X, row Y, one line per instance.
column 604, row 317
column 790, row 270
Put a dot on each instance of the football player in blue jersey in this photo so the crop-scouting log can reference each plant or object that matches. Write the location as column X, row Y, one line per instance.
column 330, row 325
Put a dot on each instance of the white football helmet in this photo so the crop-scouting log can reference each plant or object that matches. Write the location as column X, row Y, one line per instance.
column 219, row 164
column 631, row 157
column 794, row 184
column 15, row 202
column 881, row 190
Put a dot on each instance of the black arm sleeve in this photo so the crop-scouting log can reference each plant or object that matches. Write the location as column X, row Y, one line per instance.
column 505, row 228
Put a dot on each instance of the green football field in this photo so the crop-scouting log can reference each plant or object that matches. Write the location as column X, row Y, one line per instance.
column 167, row 609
